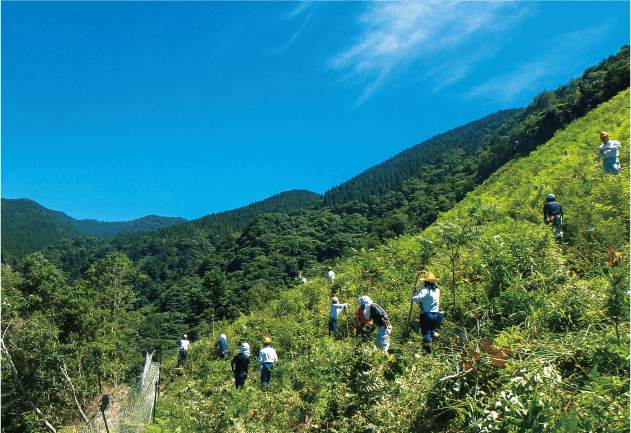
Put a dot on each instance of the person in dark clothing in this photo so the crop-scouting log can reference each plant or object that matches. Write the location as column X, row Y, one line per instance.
column 240, row 365
column 377, row 314
column 553, row 214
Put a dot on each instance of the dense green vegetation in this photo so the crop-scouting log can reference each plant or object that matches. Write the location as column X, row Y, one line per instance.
column 91, row 306
column 28, row 227
column 551, row 353
column 107, row 229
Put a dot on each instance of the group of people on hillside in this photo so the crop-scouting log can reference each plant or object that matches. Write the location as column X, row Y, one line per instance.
column 553, row 211
column 371, row 314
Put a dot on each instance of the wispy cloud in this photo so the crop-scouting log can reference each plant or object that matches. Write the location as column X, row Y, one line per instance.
column 561, row 54
column 302, row 8
column 399, row 35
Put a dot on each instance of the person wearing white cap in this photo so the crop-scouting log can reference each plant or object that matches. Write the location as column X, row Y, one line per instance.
column 608, row 150
column 336, row 308
column 553, row 214
column 240, row 365
column 378, row 315
column 222, row 345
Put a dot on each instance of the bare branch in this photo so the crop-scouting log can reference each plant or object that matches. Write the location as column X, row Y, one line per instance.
column 16, row 376
column 64, row 371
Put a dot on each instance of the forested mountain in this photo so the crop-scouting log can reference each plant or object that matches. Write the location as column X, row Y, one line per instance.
column 97, row 303
column 28, row 227
column 427, row 183
column 535, row 337
column 445, row 148
column 107, row 229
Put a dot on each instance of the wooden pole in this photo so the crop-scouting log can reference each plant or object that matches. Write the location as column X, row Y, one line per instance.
column 413, row 290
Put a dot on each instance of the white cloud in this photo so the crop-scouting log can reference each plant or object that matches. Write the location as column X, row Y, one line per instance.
column 562, row 54
column 302, row 8
column 398, row 35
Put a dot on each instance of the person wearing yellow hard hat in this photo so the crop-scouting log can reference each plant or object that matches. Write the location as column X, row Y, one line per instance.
column 184, row 343
column 608, row 150
column 267, row 360
column 428, row 296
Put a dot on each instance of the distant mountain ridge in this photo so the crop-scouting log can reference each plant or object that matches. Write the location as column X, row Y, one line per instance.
column 107, row 229
column 28, row 227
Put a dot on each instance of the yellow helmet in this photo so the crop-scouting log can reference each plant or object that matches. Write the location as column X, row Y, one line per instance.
column 429, row 276
column 185, row 336
column 267, row 340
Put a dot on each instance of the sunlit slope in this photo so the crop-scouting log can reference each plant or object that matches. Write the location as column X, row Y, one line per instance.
column 543, row 325
column 596, row 205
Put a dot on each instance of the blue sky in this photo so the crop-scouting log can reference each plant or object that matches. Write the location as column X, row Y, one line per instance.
column 117, row 110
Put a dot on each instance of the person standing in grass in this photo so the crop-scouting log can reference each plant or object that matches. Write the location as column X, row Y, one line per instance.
column 378, row 315
column 553, row 214
column 222, row 345
column 430, row 318
column 336, row 308
column 608, row 150
column 267, row 360
column 330, row 275
column 184, row 343
column 240, row 365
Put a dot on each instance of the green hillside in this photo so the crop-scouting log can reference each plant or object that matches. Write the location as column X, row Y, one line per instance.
column 107, row 229
column 94, row 305
column 551, row 353
column 28, row 227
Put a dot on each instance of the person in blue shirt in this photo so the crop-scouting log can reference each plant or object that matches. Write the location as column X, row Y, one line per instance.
column 430, row 318
column 267, row 360
column 336, row 308
column 222, row 345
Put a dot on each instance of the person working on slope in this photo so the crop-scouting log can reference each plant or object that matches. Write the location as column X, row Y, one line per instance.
column 335, row 310
column 429, row 318
column 363, row 323
column 330, row 275
column 553, row 214
column 240, row 365
column 184, row 343
column 377, row 314
column 267, row 360
column 222, row 345
column 608, row 150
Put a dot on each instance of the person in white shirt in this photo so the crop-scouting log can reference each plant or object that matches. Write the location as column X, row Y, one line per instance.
column 184, row 343
column 267, row 360
column 330, row 275
column 430, row 318
column 335, row 310
column 608, row 150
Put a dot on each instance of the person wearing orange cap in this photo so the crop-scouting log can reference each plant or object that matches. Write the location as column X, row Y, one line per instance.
column 430, row 318
column 184, row 343
column 608, row 150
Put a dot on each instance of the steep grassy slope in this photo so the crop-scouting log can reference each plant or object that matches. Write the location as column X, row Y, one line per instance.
column 536, row 336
